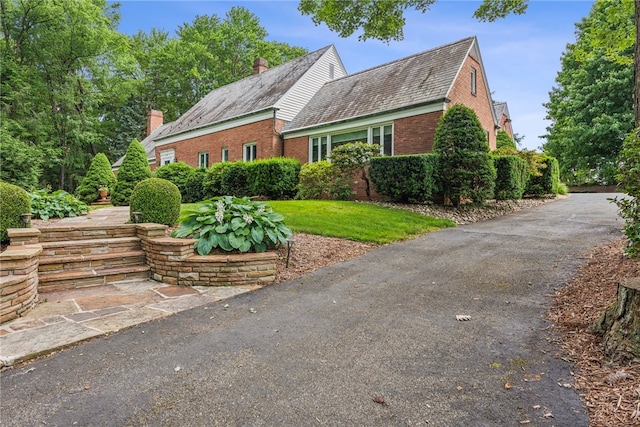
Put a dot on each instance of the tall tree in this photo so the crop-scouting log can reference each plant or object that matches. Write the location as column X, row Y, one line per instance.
column 591, row 108
column 52, row 53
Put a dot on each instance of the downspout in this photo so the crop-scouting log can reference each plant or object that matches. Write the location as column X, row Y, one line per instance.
column 275, row 131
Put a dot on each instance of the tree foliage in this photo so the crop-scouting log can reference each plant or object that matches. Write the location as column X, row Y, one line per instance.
column 466, row 169
column 629, row 176
column 73, row 86
column 384, row 20
column 591, row 108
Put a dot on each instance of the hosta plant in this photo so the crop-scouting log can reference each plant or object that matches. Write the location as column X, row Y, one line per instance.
column 233, row 224
column 60, row 204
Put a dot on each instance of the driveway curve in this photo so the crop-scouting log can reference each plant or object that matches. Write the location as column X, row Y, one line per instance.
column 370, row 342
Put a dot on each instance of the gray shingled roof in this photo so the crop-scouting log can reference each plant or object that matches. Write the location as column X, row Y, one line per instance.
column 501, row 109
column 415, row 80
column 251, row 94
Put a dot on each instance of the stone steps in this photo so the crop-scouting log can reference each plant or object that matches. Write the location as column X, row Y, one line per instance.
column 86, row 232
column 90, row 246
column 74, row 279
column 53, row 264
column 80, row 256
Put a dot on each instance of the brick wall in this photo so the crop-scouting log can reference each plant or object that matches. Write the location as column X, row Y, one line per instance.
column 262, row 133
column 415, row 135
column 461, row 94
column 297, row 148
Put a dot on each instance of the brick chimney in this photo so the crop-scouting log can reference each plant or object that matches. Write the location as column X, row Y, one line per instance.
column 154, row 120
column 260, row 65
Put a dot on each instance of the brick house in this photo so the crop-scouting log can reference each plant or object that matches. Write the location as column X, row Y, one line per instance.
column 303, row 108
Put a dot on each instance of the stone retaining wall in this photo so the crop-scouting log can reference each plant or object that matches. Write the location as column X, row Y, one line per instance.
column 18, row 279
column 173, row 261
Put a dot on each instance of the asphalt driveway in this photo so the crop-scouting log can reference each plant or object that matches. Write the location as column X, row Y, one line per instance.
column 373, row 341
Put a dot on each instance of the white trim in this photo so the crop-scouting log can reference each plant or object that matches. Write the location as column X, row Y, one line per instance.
column 216, row 127
column 167, row 155
column 353, row 124
column 244, row 151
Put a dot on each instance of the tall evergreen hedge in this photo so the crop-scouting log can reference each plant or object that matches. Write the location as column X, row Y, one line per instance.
column 548, row 180
column 467, row 170
column 99, row 174
column 512, row 177
column 179, row 173
column 134, row 169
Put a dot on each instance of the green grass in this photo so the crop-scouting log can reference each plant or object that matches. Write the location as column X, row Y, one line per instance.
column 363, row 222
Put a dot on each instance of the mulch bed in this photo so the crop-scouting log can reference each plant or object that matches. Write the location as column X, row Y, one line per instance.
column 610, row 390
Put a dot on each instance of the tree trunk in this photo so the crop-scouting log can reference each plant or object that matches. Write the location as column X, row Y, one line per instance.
column 620, row 323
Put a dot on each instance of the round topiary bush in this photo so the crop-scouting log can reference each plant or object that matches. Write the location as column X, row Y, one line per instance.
column 98, row 175
column 14, row 201
column 157, row 199
column 135, row 168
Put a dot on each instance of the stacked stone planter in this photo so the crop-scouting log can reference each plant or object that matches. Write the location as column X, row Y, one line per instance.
column 173, row 261
column 19, row 274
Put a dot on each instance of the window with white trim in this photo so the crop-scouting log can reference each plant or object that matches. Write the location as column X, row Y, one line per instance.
column 225, row 154
column 167, row 156
column 249, row 152
column 203, row 159
column 320, row 146
column 473, row 81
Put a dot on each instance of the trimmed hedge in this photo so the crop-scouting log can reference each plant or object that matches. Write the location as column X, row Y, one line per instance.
column 158, row 199
column 404, row 179
column 322, row 180
column 549, row 179
column 512, row 177
column 14, row 201
column 179, row 173
column 195, row 191
column 274, row 178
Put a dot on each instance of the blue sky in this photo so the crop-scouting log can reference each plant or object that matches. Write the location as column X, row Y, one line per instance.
column 521, row 54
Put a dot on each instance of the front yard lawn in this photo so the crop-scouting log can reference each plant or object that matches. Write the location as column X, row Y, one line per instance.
column 363, row 222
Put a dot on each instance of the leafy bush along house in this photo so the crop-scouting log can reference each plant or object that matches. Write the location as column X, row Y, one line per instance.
column 305, row 107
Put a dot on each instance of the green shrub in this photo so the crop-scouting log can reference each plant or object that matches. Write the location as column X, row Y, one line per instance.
column 405, row 178
column 195, row 191
column 322, row 180
column 546, row 181
column 504, row 141
column 98, row 175
column 212, row 183
column 274, row 178
column 227, row 179
column 233, row 224
column 134, row 168
column 629, row 177
column 355, row 157
column 14, row 201
column 157, row 199
column 179, row 173
column 466, row 168
column 512, row 177
column 234, row 179
column 59, row 204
